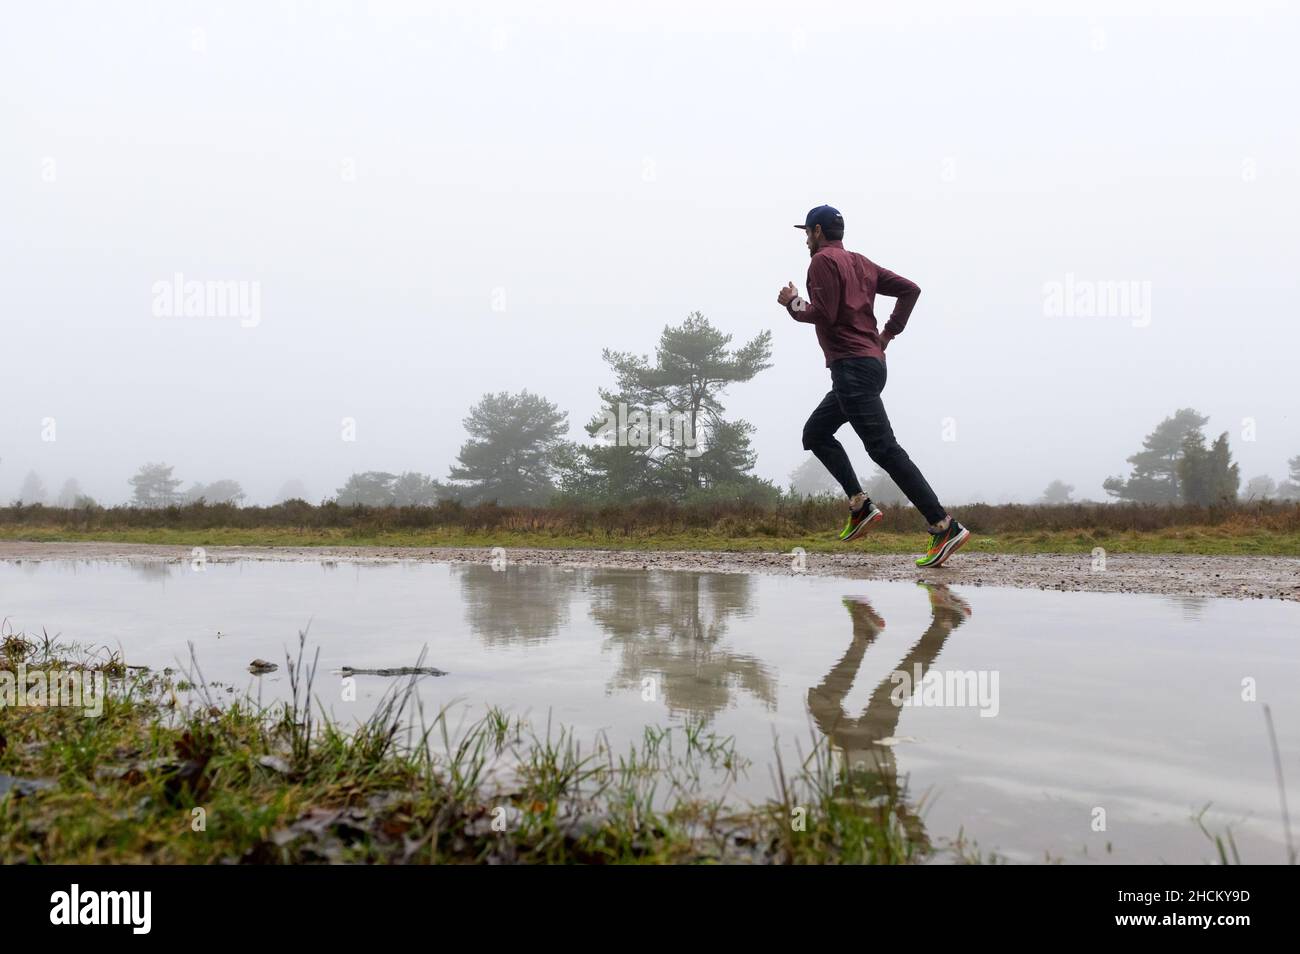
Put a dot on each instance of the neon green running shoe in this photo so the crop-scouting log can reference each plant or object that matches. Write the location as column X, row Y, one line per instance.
column 944, row 544
column 859, row 519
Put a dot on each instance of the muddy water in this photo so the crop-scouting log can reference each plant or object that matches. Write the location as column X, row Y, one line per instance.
column 1039, row 716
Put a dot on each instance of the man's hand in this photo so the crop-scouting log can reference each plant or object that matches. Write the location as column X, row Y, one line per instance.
column 786, row 295
column 884, row 341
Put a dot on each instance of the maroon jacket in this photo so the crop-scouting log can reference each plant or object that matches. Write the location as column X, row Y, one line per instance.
column 842, row 286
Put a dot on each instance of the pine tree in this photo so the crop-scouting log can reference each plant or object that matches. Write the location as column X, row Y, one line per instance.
column 1224, row 475
column 1194, row 470
column 1155, row 477
column 1058, row 492
column 154, row 486
column 812, row 479
column 516, row 442
column 373, row 488
column 1289, row 489
column 1207, row 474
column 661, row 430
column 33, row 489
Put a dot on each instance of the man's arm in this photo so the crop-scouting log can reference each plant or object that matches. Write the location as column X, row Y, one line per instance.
column 896, row 286
column 823, row 302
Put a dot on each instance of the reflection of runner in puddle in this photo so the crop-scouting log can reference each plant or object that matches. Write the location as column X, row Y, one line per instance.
column 873, row 765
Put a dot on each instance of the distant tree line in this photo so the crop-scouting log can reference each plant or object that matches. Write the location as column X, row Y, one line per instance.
column 661, row 432
column 1177, row 465
column 69, row 496
column 154, row 486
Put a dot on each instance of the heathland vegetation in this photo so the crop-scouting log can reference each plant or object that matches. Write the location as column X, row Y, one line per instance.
column 1262, row 527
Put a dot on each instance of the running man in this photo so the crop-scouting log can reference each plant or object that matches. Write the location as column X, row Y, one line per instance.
column 842, row 288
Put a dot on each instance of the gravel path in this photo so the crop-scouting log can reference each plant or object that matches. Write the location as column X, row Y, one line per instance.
column 1236, row 577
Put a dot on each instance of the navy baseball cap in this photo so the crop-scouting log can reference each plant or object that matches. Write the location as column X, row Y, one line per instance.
column 823, row 215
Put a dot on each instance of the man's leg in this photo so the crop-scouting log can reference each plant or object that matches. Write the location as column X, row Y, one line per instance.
column 857, row 385
column 819, row 437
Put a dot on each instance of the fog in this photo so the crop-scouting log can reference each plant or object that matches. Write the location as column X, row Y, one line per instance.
column 427, row 203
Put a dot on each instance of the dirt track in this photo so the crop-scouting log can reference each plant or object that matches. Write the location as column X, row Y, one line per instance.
column 1234, row 577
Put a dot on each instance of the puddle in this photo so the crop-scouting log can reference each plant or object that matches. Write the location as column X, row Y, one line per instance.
column 1035, row 711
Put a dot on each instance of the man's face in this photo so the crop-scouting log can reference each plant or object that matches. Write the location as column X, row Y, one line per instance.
column 814, row 239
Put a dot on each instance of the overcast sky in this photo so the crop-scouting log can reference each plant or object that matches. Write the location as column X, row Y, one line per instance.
column 438, row 201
